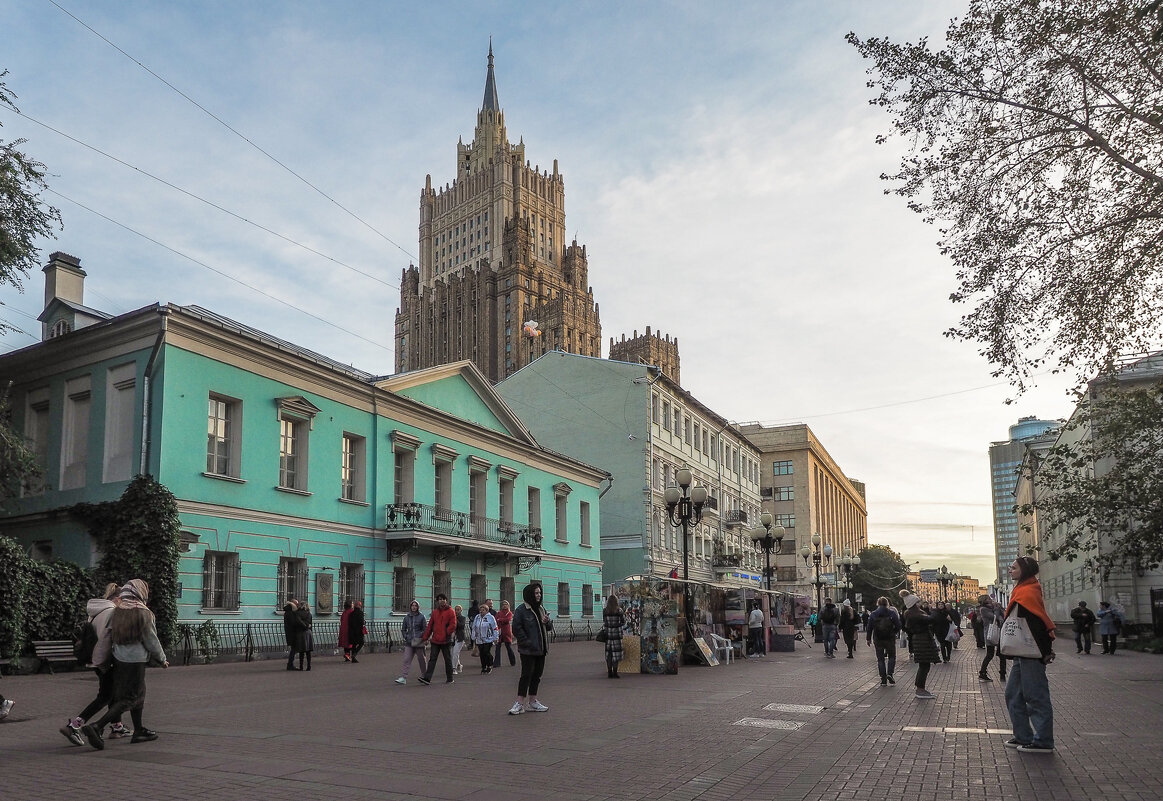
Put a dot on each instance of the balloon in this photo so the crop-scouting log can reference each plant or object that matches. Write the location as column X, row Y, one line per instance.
column 530, row 328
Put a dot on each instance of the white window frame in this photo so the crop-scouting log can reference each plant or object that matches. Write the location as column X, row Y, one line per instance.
column 75, row 437
column 353, row 469
column 228, row 431
column 120, row 407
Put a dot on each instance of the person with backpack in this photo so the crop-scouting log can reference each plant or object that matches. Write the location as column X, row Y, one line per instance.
column 95, row 650
column 881, row 631
column 848, row 626
column 1109, row 627
column 1083, row 624
column 133, row 631
column 829, row 620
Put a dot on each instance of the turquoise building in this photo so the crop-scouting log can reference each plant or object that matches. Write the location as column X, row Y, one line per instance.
column 295, row 475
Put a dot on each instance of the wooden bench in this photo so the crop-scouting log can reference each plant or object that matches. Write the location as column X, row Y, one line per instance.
column 50, row 651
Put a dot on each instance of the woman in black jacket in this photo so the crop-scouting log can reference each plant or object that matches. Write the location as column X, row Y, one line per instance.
column 920, row 626
column 305, row 638
column 292, row 625
column 355, row 629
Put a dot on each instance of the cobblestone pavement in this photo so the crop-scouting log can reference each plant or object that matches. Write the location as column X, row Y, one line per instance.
column 789, row 726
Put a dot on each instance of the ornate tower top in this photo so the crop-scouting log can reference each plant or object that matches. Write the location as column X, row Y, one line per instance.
column 491, row 101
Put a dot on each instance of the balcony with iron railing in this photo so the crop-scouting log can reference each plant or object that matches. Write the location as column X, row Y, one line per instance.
column 735, row 517
column 425, row 519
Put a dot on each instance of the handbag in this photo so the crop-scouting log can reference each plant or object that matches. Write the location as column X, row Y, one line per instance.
column 417, row 642
column 1016, row 639
column 601, row 635
column 954, row 634
column 992, row 633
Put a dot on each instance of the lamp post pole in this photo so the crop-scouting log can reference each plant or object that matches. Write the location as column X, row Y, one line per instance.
column 817, row 556
column 684, row 506
column 943, row 578
column 848, row 563
column 771, row 541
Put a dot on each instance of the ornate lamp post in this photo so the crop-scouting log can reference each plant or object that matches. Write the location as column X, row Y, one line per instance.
column 817, row 556
column 944, row 578
column 848, row 564
column 770, row 540
column 684, row 507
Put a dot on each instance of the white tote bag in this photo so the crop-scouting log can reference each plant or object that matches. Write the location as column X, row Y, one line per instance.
column 992, row 634
column 1016, row 639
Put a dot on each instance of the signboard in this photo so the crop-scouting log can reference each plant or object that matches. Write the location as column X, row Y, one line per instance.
column 828, row 578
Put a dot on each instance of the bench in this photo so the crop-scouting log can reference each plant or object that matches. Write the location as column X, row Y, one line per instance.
column 50, row 651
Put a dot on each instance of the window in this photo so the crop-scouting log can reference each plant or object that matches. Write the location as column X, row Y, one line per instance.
column 783, row 493
column 585, row 523
column 117, row 462
column 403, row 589
column 505, row 498
column 686, row 430
column 666, row 415
column 654, row 407
column 677, row 422
column 223, row 437
column 562, row 599
column 442, row 487
column 41, row 551
column 352, row 481
column 477, row 484
column 787, row 521
column 508, row 591
column 75, row 439
column 292, row 454
column 351, row 581
column 587, row 600
column 698, row 435
column 478, row 590
column 36, row 431
column 60, row 328
column 561, row 505
column 441, row 584
column 405, row 475
column 291, row 581
column 535, row 508
column 220, row 580
column 782, row 468
column 706, row 449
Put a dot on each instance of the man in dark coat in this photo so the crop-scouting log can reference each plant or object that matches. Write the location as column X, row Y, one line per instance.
column 292, row 625
column 1083, row 626
column 355, row 627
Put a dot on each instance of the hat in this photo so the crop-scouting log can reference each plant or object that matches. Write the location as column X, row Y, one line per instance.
column 911, row 601
column 847, row 602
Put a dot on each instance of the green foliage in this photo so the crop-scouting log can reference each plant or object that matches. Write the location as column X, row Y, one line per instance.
column 1035, row 143
column 18, row 464
column 38, row 600
column 206, row 635
column 24, row 218
column 881, row 572
column 139, row 538
column 1099, row 490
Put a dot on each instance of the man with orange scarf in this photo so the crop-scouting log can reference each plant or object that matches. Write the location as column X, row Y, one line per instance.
column 1028, row 690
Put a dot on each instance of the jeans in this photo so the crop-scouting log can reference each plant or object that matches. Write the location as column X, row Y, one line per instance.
column 1028, row 701
column 1082, row 640
column 1109, row 643
column 990, row 652
column 757, row 644
column 531, row 669
column 829, row 639
column 440, row 648
column 946, row 650
column 885, row 651
column 497, row 654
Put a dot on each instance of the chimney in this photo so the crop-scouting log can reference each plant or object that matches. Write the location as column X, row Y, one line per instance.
column 64, row 279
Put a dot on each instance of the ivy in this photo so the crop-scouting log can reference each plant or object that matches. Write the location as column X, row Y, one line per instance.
column 38, row 600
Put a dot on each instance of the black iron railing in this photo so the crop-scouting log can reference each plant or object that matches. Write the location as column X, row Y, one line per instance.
column 438, row 520
column 735, row 517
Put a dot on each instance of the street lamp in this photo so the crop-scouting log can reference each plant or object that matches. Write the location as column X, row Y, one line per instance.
column 771, row 541
column 684, row 507
column 848, row 564
column 817, row 556
column 944, row 578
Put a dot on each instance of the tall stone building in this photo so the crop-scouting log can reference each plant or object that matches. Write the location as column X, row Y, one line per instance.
column 493, row 257
column 650, row 348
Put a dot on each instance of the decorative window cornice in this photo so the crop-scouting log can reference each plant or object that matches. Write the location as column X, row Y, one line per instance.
column 403, row 441
column 298, row 407
column 443, row 453
column 478, row 465
column 561, row 488
column 507, row 473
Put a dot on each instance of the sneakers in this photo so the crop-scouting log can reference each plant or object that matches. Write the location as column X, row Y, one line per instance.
column 401, row 680
column 517, row 708
column 1034, row 748
column 1013, row 743
column 983, row 677
column 143, row 736
column 5, row 708
column 891, row 680
column 118, row 730
column 425, row 681
column 72, row 733
column 537, row 706
column 925, row 695
column 93, row 736
column 884, row 682
column 451, row 681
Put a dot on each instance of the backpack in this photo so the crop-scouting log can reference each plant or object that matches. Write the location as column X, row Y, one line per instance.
column 884, row 628
column 84, row 641
column 828, row 616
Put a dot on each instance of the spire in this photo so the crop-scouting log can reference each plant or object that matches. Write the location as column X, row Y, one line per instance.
column 491, row 102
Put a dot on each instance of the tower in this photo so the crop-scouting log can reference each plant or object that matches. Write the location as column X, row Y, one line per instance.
column 493, row 257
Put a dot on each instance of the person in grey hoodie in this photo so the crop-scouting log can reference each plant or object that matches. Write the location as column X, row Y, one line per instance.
column 135, row 642
column 99, row 610
column 412, row 630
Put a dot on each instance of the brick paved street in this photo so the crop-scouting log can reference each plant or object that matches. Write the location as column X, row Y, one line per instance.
column 791, row 726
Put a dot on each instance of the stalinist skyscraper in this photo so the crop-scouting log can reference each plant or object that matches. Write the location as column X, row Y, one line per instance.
column 493, row 256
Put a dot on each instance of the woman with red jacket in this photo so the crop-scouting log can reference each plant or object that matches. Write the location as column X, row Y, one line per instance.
column 505, row 627
column 1028, row 691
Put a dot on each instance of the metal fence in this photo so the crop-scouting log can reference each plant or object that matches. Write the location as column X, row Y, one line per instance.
column 239, row 641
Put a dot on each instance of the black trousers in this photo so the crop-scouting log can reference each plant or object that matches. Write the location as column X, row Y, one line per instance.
column 446, row 650
column 531, row 669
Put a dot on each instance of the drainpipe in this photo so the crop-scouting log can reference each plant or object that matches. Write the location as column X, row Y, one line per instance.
column 147, row 406
column 648, row 550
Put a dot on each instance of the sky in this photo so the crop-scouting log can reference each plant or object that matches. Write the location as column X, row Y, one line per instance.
column 265, row 160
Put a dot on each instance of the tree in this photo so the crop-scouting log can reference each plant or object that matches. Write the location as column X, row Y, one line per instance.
column 881, row 572
column 19, row 466
column 24, row 217
column 1099, row 490
column 1035, row 142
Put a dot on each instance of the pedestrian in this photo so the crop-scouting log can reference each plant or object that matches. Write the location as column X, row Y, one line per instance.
column 755, row 631
column 99, row 611
column 881, row 630
column 356, row 629
column 612, row 622
column 461, row 635
column 955, row 617
column 941, row 629
column 343, row 642
column 864, row 615
column 412, row 630
column 829, row 619
column 292, row 625
column 919, row 624
column 848, row 626
column 5, row 706
column 1109, row 627
column 531, row 627
column 441, row 632
column 990, row 613
column 978, row 628
column 813, row 624
column 1028, row 690
column 505, row 629
column 1083, row 625
column 484, row 634
column 305, row 637
column 135, row 642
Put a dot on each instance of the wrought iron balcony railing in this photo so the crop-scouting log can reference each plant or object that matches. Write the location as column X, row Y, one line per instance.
column 735, row 517
column 438, row 520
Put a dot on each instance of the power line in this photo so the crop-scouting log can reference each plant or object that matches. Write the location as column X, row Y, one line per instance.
column 239, row 281
column 209, row 203
column 227, row 126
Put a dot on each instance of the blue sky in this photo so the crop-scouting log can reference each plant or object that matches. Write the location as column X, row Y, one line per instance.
column 719, row 162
